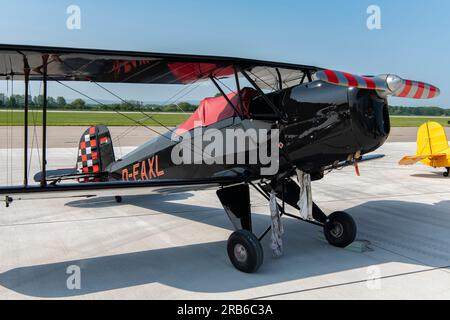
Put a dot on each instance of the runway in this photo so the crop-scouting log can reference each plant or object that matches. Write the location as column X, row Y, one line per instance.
column 174, row 247
column 68, row 137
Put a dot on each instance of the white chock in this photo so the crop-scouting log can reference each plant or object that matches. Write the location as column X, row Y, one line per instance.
column 276, row 243
column 305, row 198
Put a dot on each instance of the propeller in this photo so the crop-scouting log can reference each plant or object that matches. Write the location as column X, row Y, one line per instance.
column 388, row 84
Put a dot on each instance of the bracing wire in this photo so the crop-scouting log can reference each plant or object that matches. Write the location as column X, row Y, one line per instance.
column 128, row 103
column 124, row 115
column 102, row 104
column 151, row 66
column 131, row 129
column 149, row 116
column 138, row 122
column 267, row 84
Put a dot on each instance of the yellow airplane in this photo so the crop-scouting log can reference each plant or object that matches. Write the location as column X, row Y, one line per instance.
column 432, row 148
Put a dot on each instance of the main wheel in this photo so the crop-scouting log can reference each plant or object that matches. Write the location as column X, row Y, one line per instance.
column 118, row 199
column 446, row 173
column 340, row 229
column 245, row 251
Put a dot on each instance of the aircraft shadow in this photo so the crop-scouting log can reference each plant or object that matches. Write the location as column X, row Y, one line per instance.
column 433, row 175
column 205, row 267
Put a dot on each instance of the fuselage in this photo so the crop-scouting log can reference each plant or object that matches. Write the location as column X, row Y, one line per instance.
column 322, row 124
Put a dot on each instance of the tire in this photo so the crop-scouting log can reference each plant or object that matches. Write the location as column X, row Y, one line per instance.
column 118, row 199
column 446, row 174
column 340, row 229
column 245, row 251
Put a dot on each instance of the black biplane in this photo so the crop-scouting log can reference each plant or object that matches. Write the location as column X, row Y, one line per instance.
column 325, row 120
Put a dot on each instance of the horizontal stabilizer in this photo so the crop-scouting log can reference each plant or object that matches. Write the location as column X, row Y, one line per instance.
column 65, row 174
column 410, row 160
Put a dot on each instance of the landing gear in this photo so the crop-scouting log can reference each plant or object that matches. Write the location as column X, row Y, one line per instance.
column 446, row 174
column 118, row 199
column 340, row 229
column 244, row 248
column 245, row 251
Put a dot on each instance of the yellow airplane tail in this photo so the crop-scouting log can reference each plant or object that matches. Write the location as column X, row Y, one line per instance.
column 432, row 146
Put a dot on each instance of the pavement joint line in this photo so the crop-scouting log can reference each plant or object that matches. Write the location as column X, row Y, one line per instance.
column 407, row 257
column 386, row 196
column 95, row 219
column 402, row 255
column 422, row 252
column 353, row 282
column 74, row 220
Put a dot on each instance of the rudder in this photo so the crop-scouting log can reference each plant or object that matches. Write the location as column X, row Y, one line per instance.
column 431, row 140
column 95, row 150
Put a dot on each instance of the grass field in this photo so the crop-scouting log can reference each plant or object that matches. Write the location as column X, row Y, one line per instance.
column 92, row 118
column 416, row 121
column 170, row 120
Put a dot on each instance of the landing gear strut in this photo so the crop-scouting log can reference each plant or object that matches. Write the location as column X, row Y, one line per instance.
column 339, row 227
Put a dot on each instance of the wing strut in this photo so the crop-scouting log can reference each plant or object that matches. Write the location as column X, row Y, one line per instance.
column 225, row 96
column 26, row 71
column 238, row 86
column 44, row 121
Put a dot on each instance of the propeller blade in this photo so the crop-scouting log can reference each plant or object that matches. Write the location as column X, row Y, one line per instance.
column 389, row 84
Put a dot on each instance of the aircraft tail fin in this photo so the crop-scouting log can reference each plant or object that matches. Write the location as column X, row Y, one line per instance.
column 432, row 144
column 95, row 151
column 431, row 139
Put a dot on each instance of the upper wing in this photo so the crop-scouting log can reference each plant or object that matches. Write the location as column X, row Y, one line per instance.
column 71, row 64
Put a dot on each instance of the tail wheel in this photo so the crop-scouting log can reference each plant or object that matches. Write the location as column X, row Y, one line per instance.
column 245, row 251
column 340, row 229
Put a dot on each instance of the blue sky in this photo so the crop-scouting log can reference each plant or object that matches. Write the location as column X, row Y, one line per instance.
column 414, row 41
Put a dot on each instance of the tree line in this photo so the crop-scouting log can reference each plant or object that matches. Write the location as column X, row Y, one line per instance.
column 418, row 111
column 60, row 103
